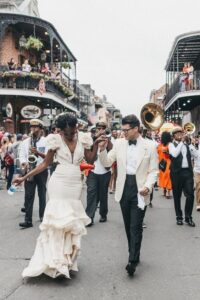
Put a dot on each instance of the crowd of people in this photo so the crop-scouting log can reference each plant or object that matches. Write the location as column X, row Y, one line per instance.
column 26, row 67
column 128, row 163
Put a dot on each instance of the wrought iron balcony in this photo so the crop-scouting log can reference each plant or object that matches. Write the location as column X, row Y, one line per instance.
column 180, row 86
column 23, row 80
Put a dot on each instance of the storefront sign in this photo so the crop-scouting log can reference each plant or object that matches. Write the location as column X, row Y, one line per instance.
column 31, row 112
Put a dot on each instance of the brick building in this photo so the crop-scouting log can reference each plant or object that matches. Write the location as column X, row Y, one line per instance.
column 25, row 94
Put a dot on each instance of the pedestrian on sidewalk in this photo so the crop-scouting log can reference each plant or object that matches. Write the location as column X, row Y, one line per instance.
column 137, row 165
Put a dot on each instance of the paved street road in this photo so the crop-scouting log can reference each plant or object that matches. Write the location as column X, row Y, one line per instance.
column 169, row 269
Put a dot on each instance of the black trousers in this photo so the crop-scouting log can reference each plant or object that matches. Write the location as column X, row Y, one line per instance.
column 39, row 181
column 10, row 170
column 97, row 192
column 183, row 182
column 133, row 218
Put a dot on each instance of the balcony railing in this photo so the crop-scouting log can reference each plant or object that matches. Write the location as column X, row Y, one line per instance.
column 71, row 83
column 23, row 80
column 180, row 85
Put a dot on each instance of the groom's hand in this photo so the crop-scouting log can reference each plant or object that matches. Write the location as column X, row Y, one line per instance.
column 102, row 142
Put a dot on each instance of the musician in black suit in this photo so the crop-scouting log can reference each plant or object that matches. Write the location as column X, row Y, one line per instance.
column 181, row 174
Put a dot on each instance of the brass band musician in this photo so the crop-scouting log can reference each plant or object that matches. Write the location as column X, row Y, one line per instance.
column 181, row 173
column 32, row 153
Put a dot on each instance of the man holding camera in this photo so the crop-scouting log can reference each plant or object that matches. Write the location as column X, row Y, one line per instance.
column 32, row 152
column 98, row 182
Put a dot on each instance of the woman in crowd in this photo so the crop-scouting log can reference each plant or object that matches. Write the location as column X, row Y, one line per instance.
column 184, row 78
column 190, row 76
column 64, row 219
column 7, row 158
column 12, row 65
column 163, row 155
column 46, row 70
column 26, row 67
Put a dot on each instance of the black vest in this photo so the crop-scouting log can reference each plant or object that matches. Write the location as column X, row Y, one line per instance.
column 176, row 162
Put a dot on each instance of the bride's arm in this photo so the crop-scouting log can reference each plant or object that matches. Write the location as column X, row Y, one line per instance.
column 91, row 155
column 40, row 168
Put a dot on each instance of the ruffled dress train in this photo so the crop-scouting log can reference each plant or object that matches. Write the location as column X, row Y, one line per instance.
column 59, row 242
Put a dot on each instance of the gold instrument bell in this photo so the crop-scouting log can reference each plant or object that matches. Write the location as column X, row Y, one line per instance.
column 189, row 128
column 152, row 116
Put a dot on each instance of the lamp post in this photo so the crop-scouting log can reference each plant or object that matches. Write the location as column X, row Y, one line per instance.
column 22, row 41
column 43, row 56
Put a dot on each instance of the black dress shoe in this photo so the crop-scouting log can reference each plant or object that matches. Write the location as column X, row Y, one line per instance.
column 23, row 209
column 179, row 222
column 130, row 268
column 26, row 224
column 102, row 220
column 189, row 222
column 91, row 223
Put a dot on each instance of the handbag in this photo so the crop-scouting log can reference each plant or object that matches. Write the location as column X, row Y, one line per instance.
column 9, row 161
column 162, row 165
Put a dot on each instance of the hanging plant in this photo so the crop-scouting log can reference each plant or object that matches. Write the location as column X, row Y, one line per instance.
column 66, row 65
column 33, row 43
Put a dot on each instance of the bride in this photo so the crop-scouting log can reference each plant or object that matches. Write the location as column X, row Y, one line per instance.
column 64, row 219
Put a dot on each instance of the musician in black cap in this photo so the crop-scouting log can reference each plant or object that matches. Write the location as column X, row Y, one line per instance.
column 181, row 173
column 32, row 152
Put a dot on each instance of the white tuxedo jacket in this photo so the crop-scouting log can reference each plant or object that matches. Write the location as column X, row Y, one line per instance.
column 147, row 165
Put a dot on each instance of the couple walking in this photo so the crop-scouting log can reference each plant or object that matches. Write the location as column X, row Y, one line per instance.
column 65, row 219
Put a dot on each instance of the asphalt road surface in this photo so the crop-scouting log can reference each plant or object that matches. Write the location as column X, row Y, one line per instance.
column 169, row 268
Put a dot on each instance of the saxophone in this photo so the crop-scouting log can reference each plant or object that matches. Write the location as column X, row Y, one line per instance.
column 32, row 158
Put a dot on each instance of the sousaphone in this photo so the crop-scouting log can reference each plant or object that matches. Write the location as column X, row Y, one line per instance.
column 152, row 116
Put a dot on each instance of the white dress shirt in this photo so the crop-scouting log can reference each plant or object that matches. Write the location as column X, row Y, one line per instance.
column 175, row 151
column 195, row 153
column 24, row 150
column 131, row 158
column 98, row 167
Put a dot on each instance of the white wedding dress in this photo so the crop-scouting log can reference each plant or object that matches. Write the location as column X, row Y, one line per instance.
column 64, row 218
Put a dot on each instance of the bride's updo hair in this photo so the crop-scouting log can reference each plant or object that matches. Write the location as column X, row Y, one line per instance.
column 66, row 120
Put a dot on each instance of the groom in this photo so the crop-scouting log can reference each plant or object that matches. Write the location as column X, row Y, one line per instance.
column 137, row 168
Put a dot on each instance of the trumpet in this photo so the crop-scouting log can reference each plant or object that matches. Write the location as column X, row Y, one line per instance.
column 189, row 128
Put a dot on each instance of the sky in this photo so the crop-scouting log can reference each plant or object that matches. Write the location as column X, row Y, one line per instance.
column 122, row 45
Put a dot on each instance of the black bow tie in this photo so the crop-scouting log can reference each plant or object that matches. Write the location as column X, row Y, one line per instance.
column 133, row 142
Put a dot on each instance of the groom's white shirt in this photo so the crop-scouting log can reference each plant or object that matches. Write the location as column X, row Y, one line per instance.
column 146, row 164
